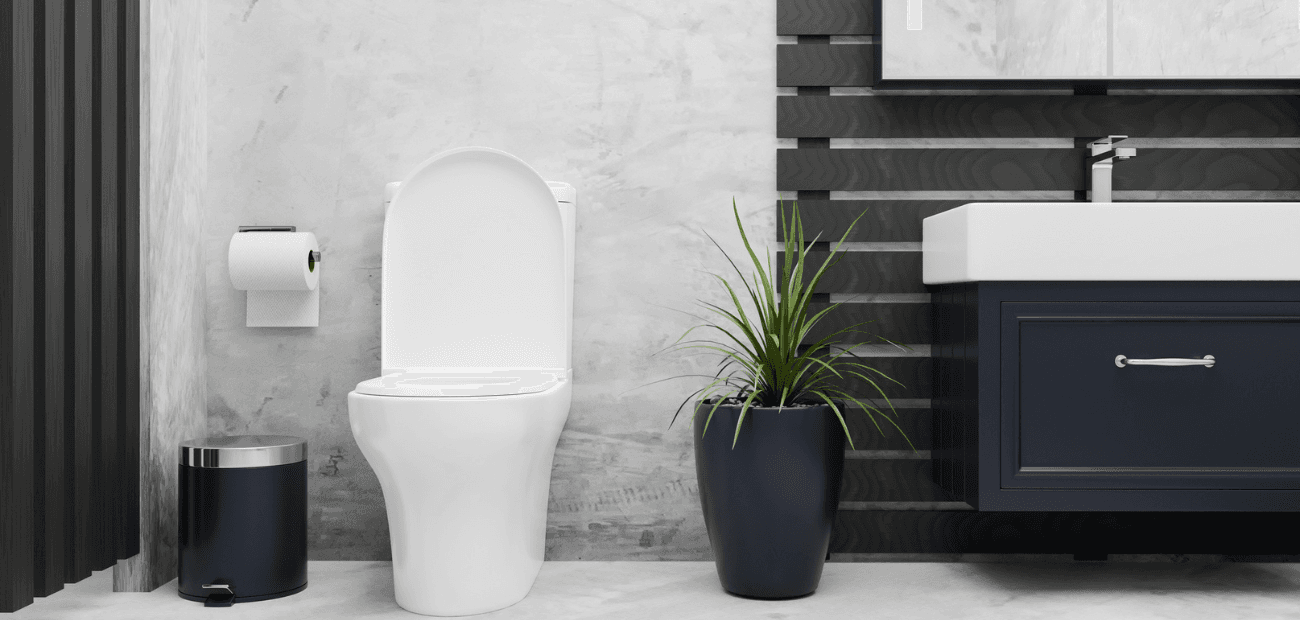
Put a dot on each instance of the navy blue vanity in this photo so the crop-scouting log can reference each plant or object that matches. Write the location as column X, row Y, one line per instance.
column 1116, row 356
column 1035, row 413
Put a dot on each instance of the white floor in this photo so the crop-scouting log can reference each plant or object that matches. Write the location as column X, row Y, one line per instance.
column 683, row 590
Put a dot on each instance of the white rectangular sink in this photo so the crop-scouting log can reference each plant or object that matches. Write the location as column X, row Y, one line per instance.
column 1051, row 241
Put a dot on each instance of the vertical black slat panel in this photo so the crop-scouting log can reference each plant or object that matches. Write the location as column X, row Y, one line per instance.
column 825, row 65
column 49, row 483
column 12, row 557
column 129, row 244
column 107, row 292
column 826, row 17
column 17, row 345
column 79, row 442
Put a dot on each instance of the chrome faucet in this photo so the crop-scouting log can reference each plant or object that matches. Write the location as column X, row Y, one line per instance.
column 1098, row 166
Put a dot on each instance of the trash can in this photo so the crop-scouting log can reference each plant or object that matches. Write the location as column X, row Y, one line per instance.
column 243, row 518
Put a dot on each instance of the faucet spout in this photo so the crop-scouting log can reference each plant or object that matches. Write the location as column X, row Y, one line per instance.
column 1098, row 167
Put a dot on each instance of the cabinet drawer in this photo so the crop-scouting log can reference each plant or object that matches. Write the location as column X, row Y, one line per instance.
column 1074, row 419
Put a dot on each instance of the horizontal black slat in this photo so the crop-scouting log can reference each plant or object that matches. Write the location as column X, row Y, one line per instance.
column 824, row 65
column 900, row 323
column 1210, row 169
column 827, row 17
column 916, row 423
column 889, row 480
column 1038, row 116
column 1032, row 169
column 865, row 272
column 881, row 220
column 912, row 372
column 1064, row 532
column 929, row 169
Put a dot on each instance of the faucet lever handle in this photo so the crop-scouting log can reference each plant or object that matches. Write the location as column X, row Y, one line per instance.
column 1102, row 145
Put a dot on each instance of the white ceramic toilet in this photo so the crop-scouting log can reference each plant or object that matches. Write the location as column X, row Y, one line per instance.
column 462, row 426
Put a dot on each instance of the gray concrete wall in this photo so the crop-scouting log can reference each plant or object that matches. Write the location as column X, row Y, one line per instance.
column 173, row 169
column 658, row 112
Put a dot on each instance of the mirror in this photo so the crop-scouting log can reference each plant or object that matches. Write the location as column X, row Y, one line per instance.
column 1089, row 39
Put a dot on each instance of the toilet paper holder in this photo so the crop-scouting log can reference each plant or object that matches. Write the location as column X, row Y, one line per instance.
column 315, row 256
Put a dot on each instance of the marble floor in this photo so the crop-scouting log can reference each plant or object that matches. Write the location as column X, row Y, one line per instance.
column 685, row 590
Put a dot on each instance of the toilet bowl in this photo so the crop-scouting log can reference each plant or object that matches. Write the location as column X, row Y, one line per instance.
column 476, row 380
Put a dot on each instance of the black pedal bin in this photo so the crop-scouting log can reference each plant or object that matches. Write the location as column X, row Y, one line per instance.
column 243, row 519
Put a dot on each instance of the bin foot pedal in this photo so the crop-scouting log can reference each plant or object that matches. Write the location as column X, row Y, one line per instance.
column 221, row 595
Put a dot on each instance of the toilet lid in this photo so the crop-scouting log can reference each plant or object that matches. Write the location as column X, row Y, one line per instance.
column 463, row 382
column 474, row 267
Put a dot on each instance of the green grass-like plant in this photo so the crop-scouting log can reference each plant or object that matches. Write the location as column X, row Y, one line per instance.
column 760, row 356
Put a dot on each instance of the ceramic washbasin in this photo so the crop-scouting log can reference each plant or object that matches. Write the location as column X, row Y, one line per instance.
column 1054, row 241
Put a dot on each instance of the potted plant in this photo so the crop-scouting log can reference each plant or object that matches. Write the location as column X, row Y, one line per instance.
column 770, row 428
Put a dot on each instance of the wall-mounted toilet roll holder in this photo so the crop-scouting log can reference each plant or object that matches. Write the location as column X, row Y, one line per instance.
column 312, row 258
column 276, row 305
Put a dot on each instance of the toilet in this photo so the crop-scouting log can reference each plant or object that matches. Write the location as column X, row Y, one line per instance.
column 462, row 424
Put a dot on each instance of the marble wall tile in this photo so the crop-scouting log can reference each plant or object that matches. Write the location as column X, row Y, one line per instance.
column 659, row 113
column 1207, row 38
column 1065, row 38
column 173, row 161
column 989, row 39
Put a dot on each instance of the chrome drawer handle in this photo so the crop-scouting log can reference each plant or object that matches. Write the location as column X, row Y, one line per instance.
column 1207, row 361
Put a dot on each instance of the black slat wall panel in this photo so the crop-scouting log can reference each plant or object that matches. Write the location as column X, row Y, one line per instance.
column 11, row 596
column 69, row 271
column 50, row 500
column 881, row 220
column 824, row 65
column 17, row 319
column 1038, row 116
column 921, row 169
column 1008, row 169
column 918, row 154
column 889, row 480
column 107, row 292
column 914, row 421
column 128, row 504
column 914, row 373
column 80, row 305
column 866, row 272
column 895, row 322
column 824, row 17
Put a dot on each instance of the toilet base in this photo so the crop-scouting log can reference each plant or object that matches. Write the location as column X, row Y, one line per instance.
column 466, row 482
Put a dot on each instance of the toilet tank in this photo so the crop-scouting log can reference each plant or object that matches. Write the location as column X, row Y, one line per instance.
column 566, row 196
column 477, row 267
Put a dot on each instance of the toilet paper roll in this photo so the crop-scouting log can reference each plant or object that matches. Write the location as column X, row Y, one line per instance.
column 273, row 261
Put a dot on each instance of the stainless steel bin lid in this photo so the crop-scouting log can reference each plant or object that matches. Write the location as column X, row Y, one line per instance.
column 243, row 451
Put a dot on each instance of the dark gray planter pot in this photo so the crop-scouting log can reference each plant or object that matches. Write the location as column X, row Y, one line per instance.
column 769, row 503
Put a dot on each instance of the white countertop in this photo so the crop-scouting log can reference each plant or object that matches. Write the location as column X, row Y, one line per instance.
column 1117, row 241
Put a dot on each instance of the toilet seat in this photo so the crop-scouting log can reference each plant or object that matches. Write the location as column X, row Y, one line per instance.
column 461, row 382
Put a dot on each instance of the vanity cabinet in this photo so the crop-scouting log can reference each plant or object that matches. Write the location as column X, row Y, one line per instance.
column 1090, row 39
column 1036, row 411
